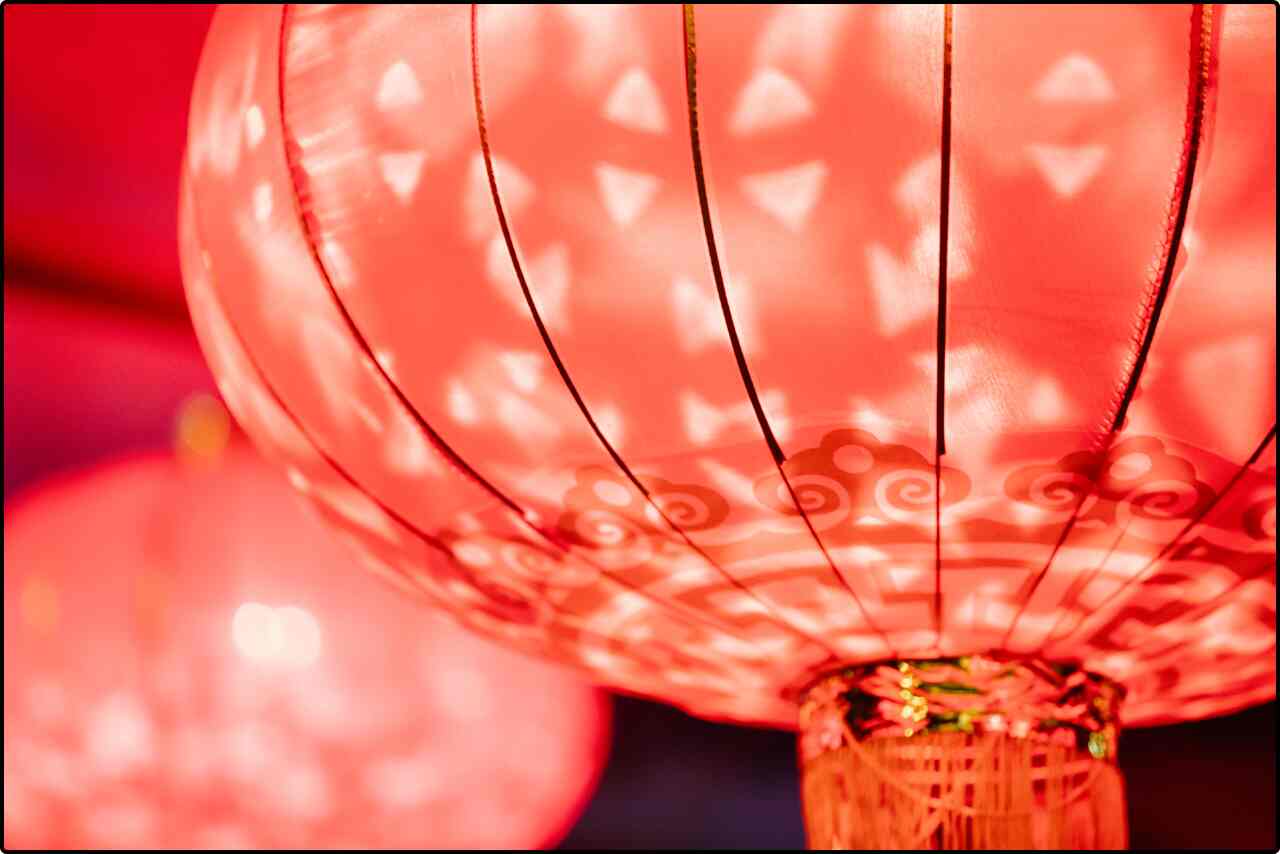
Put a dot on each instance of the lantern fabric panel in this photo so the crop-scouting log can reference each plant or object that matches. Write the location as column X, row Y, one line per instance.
column 464, row 253
column 506, row 407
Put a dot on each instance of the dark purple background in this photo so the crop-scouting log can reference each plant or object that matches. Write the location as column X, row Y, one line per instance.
column 98, row 354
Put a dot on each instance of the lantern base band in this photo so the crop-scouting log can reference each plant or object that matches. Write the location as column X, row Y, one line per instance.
column 968, row 753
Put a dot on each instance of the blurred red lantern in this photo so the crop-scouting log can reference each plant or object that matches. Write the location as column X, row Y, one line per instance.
column 729, row 352
column 188, row 663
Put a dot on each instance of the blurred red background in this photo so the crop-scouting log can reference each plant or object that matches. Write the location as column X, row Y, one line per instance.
column 99, row 354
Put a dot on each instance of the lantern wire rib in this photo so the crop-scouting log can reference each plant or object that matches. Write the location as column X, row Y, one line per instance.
column 1178, row 538
column 713, row 256
column 940, row 379
column 563, row 371
column 1153, row 306
column 337, row 467
column 1199, row 67
column 693, row 616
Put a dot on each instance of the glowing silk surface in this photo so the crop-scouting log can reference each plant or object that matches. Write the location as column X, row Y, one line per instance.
column 705, row 351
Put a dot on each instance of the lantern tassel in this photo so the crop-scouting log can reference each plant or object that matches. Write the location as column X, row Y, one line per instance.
column 961, row 791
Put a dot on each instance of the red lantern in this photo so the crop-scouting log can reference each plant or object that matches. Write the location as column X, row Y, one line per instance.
column 730, row 352
column 189, row 663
